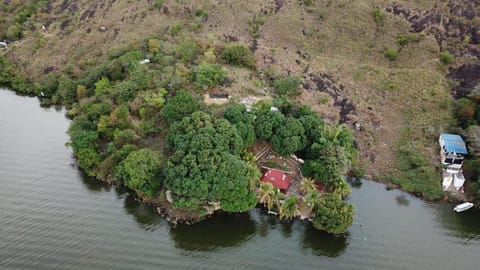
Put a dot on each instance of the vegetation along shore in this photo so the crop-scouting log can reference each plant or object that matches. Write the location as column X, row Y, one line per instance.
column 195, row 106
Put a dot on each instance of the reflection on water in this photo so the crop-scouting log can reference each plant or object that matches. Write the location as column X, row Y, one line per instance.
column 402, row 200
column 221, row 230
column 329, row 245
column 54, row 217
column 355, row 182
column 92, row 184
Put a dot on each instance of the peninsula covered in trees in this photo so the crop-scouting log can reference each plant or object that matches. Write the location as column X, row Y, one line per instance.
column 143, row 126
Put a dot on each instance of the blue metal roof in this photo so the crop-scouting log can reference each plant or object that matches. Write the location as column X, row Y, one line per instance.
column 454, row 143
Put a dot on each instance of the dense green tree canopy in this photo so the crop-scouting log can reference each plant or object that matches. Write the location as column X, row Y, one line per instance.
column 312, row 123
column 330, row 155
column 179, row 106
column 209, row 75
column 243, row 121
column 328, row 164
column 267, row 123
column 289, row 137
column 201, row 131
column 333, row 214
column 206, row 165
column 85, row 145
column 142, row 171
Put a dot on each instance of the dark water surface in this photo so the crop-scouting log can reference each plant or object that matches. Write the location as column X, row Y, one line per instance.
column 51, row 217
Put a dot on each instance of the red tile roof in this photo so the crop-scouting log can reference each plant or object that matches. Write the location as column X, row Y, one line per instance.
column 277, row 178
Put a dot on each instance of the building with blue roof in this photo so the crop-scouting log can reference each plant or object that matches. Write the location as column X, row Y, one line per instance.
column 452, row 153
column 453, row 143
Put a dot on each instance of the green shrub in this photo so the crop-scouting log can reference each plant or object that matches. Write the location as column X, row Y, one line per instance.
column 201, row 14
column 391, row 54
column 404, row 40
column 195, row 26
column 14, row 32
column 118, row 51
column 154, row 45
column 378, row 17
column 358, row 172
column 158, row 4
column 288, row 86
column 446, row 58
column 210, row 56
column 187, row 50
column 209, row 75
column 175, row 28
column 254, row 25
column 308, row 2
column 238, row 55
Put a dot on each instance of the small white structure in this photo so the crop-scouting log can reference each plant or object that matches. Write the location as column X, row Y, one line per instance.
column 463, row 207
column 168, row 195
column 3, row 44
column 297, row 159
column 248, row 102
column 144, row 61
column 452, row 153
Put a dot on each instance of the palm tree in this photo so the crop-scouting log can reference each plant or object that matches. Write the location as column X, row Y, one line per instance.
column 341, row 188
column 249, row 157
column 253, row 175
column 289, row 208
column 310, row 200
column 276, row 198
column 266, row 194
column 331, row 133
column 307, row 185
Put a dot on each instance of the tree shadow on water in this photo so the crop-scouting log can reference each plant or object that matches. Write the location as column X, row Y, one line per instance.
column 93, row 185
column 322, row 243
column 219, row 231
column 402, row 200
column 355, row 182
column 145, row 216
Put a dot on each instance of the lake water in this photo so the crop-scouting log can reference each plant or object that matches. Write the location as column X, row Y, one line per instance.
column 53, row 217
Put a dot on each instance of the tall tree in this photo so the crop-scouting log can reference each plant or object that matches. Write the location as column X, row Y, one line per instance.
column 333, row 214
column 243, row 121
column 289, row 137
column 267, row 123
column 179, row 106
column 266, row 192
column 206, row 165
column 289, row 208
column 310, row 200
column 141, row 171
column 307, row 185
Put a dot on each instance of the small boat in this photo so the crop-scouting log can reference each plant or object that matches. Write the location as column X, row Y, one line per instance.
column 463, row 207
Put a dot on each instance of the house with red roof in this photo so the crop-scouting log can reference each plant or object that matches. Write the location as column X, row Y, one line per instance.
column 277, row 178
